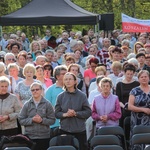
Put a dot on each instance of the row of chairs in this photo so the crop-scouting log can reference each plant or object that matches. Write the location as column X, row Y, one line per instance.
column 107, row 138
column 141, row 135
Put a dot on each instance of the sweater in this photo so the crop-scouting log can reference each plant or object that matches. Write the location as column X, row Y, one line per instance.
column 77, row 101
column 106, row 106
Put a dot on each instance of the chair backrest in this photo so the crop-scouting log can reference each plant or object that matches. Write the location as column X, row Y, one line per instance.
column 108, row 147
column 104, row 140
column 143, row 138
column 113, row 130
column 141, row 129
column 63, row 140
column 17, row 148
column 147, row 148
column 61, row 148
column 126, row 121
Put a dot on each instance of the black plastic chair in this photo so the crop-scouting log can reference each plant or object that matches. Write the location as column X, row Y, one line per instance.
column 108, row 147
column 63, row 140
column 143, row 138
column 17, row 148
column 104, row 140
column 114, row 130
column 61, row 148
column 126, row 127
column 138, row 129
column 147, row 148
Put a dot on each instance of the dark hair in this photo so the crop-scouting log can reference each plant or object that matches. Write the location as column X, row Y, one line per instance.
column 74, row 77
column 39, row 66
column 73, row 65
column 48, row 65
column 129, row 67
column 2, row 58
column 93, row 60
column 38, row 52
column 116, row 49
column 99, row 78
column 139, row 55
column 13, row 44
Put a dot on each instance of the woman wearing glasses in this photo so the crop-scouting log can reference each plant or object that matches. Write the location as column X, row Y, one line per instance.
column 48, row 72
column 36, row 116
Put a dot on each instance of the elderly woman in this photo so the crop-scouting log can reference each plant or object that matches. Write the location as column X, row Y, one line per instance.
column 34, row 46
column 12, row 85
column 13, row 70
column 9, row 109
column 106, row 109
column 36, row 116
column 72, row 108
column 139, row 102
column 23, row 87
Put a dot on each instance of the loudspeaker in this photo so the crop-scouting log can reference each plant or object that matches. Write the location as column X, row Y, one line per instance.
column 107, row 22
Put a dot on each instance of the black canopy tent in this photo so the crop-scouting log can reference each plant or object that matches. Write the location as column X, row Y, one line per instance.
column 50, row 12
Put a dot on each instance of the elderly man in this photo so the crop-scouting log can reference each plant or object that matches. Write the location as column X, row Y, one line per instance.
column 36, row 116
column 40, row 60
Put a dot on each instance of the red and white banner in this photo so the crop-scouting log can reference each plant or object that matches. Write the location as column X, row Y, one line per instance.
column 130, row 24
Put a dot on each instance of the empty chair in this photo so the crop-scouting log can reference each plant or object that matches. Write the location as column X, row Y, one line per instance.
column 139, row 141
column 61, row 148
column 143, row 138
column 147, row 147
column 113, row 130
column 63, row 140
column 104, row 140
column 141, row 129
column 17, row 148
column 108, row 147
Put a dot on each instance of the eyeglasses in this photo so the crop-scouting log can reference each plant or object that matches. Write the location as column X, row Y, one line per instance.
column 33, row 90
column 11, row 59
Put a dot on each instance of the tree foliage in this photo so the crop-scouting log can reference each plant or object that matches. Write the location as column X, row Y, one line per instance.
column 135, row 8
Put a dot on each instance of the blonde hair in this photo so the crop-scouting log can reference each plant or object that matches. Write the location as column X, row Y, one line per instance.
column 137, row 43
column 111, row 47
column 116, row 64
column 100, row 68
column 29, row 67
column 31, row 45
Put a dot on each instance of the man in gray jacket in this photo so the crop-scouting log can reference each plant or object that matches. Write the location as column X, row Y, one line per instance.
column 36, row 116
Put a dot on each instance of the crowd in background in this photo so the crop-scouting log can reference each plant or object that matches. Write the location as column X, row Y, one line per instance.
column 89, row 76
